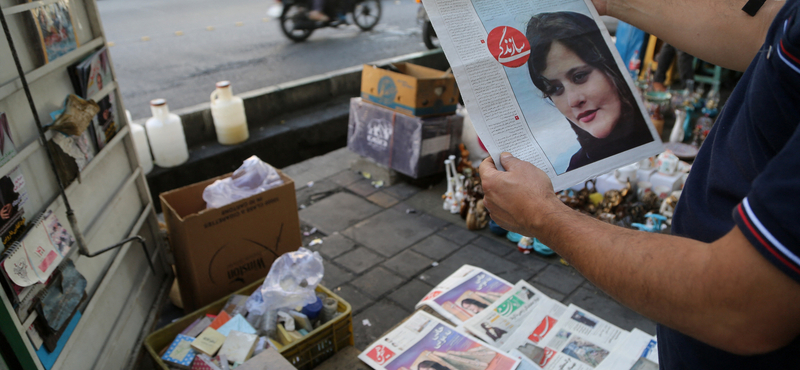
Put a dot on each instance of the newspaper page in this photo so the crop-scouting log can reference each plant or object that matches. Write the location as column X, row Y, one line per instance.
column 502, row 319
column 425, row 343
column 465, row 293
column 541, row 79
column 578, row 341
column 539, row 322
column 639, row 351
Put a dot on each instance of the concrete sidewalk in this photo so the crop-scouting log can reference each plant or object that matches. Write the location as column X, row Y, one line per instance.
column 380, row 258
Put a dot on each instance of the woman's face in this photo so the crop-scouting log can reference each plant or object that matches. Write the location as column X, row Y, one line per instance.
column 583, row 93
column 471, row 307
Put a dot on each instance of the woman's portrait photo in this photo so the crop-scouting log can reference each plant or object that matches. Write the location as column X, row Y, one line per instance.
column 575, row 71
column 575, row 96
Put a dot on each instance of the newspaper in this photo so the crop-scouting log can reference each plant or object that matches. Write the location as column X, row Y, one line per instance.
column 502, row 319
column 465, row 293
column 578, row 341
column 424, row 342
column 541, row 79
column 638, row 352
column 538, row 323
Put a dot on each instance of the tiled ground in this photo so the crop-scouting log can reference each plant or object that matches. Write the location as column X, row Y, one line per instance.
column 385, row 248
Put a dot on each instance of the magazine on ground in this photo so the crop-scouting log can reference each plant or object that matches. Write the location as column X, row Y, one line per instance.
column 424, row 342
column 541, row 79
column 465, row 293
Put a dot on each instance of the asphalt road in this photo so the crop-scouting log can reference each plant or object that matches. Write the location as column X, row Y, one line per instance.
column 178, row 49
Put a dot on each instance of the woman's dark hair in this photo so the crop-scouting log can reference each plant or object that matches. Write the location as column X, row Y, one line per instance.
column 428, row 364
column 473, row 302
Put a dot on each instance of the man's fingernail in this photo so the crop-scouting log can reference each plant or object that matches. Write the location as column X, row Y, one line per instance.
column 506, row 155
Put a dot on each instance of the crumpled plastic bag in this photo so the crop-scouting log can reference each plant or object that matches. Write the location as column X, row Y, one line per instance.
column 253, row 177
column 291, row 282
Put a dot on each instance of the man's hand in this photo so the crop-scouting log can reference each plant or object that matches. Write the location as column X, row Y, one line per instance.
column 5, row 212
column 519, row 198
column 601, row 6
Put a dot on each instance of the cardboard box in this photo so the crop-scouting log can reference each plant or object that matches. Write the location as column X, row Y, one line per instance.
column 413, row 146
column 415, row 91
column 218, row 251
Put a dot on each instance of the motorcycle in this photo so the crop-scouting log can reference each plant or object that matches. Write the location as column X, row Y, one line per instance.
column 296, row 25
column 428, row 33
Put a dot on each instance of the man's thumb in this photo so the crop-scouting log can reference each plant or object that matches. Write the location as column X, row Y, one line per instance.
column 508, row 160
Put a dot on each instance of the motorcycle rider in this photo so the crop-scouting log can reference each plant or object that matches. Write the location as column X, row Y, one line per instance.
column 316, row 13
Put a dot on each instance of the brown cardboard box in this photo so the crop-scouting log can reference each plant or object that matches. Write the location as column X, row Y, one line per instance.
column 416, row 91
column 218, row 251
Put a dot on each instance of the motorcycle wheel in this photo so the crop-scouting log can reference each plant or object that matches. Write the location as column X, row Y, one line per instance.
column 366, row 14
column 289, row 19
column 429, row 36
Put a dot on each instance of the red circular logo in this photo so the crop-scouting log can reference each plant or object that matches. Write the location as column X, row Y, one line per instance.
column 508, row 46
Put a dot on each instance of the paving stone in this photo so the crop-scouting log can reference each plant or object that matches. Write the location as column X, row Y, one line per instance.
column 498, row 247
column 410, row 294
column 389, row 232
column 532, row 261
column 382, row 199
column 456, row 234
column 338, row 212
column 402, row 190
column 335, row 276
column 357, row 300
column 561, row 278
column 408, row 263
column 318, row 168
column 470, row 255
column 514, row 276
column 434, row 222
column 359, row 260
column 430, row 202
column 596, row 302
column 550, row 292
column 435, row 247
column 362, row 187
column 321, row 190
column 377, row 282
column 345, row 177
column 334, row 245
column 382, row 316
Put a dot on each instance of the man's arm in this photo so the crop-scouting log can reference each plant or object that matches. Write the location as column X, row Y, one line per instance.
column 723, row 293
column 717, row 31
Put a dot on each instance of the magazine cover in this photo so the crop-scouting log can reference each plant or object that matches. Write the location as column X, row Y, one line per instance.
column 465, row 293
column 425, row 343
column 104, row 124
column 7, row 148
column 56, row 32
column 503, row 318
column 96, row 70
column 542, row 80
column 13, row 197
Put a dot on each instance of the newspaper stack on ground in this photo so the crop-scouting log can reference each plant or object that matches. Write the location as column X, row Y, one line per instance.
column 541, row 79
column 465, row 293
column 424, row 342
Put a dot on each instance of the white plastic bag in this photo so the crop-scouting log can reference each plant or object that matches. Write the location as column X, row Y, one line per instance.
column 291, row 282
column 253, row 177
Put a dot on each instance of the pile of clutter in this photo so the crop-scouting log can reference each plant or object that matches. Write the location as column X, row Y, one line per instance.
column 286, row 308
column 464, row 195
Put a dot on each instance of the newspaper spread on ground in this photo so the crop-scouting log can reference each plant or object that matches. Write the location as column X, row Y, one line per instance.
column 465, row 293
column 639, row 351
column 505, row 317
column 541, row 79
column 424, row 342
column 578, row 341
column 539, row 322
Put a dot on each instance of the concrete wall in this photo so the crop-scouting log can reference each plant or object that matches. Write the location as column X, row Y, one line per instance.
column 288, row 123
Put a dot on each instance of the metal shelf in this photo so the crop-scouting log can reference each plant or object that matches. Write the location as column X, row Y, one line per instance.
column 27, row 6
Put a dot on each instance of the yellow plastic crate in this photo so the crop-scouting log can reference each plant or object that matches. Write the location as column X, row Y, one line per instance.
column 304, row 354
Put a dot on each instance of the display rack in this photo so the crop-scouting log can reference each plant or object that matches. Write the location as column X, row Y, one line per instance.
column 109, row 199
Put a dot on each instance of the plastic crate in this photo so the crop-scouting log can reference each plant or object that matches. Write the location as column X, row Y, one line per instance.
column 305, row 354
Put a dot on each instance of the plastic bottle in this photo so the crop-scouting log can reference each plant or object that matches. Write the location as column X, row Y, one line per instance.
column 140, row 143
column 230, row 121
column 165, row 132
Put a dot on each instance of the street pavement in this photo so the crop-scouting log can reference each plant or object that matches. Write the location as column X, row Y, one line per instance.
column 179, row 49
column 382, row 259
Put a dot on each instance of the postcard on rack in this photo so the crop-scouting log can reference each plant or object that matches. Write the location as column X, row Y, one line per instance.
column 465, row 293
column 55, row 27
column 426, row 343
column 543, row 80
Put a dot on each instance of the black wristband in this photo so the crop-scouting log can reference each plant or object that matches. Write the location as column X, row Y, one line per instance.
column 752, row 7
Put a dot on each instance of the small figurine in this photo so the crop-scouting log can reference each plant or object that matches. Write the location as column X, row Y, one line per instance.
column 525, row 245
column 463, row 163
column 654, row 224
column 477, row 216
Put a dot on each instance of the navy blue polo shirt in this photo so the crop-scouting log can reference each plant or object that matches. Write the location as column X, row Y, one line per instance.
column 748, row 174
